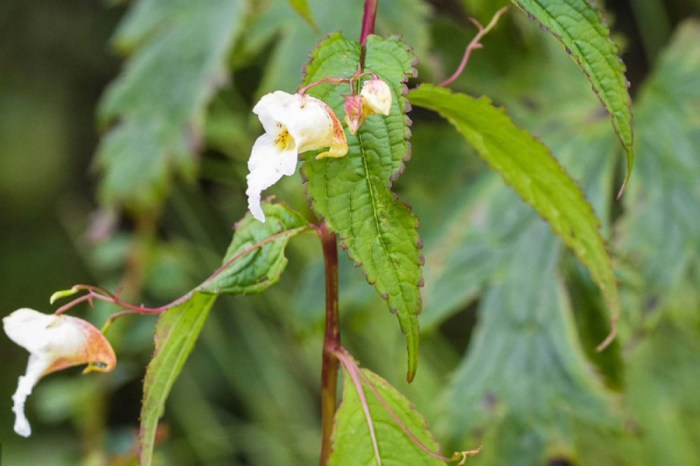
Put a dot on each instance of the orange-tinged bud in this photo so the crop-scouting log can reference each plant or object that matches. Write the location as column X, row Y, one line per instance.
column 54, row 343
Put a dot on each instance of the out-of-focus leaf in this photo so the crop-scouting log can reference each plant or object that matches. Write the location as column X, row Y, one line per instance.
column 408, row 18
column 353, row 193
column 157, row 106
column 525, row 383
column 534, row 174
column 578, row 25
column 255, row 258
column 663, row 371
column 302, row 7
column 660, row 237
column 176, row 332
column 660, row 234
column 352, row 443
column 466, row 251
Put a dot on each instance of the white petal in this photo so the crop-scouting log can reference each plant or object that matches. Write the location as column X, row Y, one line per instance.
column 35, row 369
column 307, row 119
column 313, row 126
column 377, row 96
column 267, row 164
column 273, row 108
column 41, row 333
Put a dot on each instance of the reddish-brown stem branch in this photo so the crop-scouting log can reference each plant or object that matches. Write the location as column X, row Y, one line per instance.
column 95, row 292
column 306, row 88
column 368, row 19
column 331, row 342
column 474, row 44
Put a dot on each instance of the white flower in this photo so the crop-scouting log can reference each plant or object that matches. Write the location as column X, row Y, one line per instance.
column 54, row 343
column 293, row 124
column 376, row 95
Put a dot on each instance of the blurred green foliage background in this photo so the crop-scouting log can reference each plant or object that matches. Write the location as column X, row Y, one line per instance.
column 507, row 354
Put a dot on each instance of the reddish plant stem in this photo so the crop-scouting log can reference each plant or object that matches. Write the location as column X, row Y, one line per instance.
column 95, row 292
column 474, row 44
column 368, row 19
column 331, row 342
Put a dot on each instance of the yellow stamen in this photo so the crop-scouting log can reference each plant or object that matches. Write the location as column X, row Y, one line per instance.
column 284, row 140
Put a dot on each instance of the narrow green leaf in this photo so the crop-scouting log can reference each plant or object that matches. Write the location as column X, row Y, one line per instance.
column 255, row 258
column 176, row 332
column 534, row 174
column 352, row 443
column 302, row 7
column 578, row 25
column 353, row 193
column 157, row 105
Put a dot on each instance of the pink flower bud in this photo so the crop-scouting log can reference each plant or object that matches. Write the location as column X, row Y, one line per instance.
column 354, row 114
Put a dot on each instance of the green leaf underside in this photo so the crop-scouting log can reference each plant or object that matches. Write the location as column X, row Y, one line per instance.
column 254, row 263
column 176, row 332
column 302, row 7
column 525, row 385
column 158, row 103
column 578, row 26
column 661, row 229
column 526, row 165
column 659, row 236
column 352, row 444
column 353, row 193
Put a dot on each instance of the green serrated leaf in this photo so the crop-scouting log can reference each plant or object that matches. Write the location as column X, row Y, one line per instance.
column 158, row 103
column 255, row 258
column 353, row 193
column 578, row 25
column 176, row 332
column 352, row 443
column 526, row 165
column 302, row 7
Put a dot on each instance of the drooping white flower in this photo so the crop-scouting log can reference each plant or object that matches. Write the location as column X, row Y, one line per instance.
column 54, row 343
column 376, row 96
column 293, row 124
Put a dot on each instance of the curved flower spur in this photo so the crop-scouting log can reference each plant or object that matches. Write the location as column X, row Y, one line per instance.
column 54, row 342
column 293, row 123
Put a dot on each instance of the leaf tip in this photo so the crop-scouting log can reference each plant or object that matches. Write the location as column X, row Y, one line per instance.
column 628, row 175
column 411, row 374
column 610, row 338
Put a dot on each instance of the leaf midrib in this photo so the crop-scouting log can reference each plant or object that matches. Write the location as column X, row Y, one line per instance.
column 370, row 185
